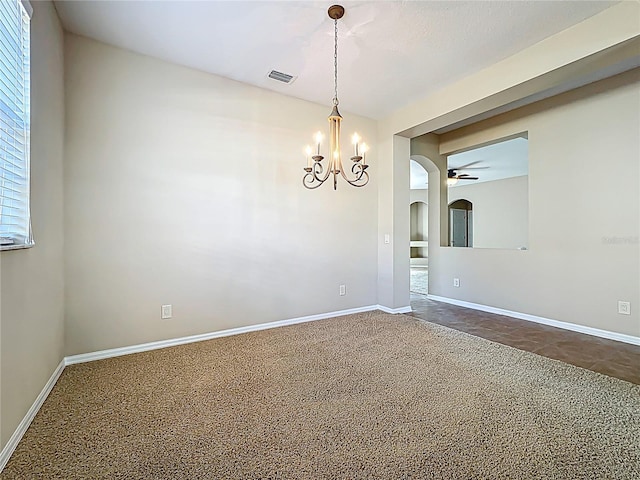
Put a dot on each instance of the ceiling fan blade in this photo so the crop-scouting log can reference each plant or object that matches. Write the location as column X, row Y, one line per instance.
column 461, row 167
column 468, row 178
column 472, row 168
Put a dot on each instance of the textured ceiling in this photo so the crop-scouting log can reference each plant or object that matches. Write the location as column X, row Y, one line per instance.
column 390, row 52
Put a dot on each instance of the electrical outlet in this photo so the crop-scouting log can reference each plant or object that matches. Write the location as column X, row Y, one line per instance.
column 343, row 290
column 387, row 238
column 166, row 311
column 456, row 282
column 624, row 308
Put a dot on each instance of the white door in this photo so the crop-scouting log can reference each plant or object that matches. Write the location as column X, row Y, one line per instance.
column 458, row 228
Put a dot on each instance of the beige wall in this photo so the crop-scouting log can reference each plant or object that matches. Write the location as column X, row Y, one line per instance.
column 500, row 211
column 393, row 220
column 600, row 45
column 32, row 288
column 584, row 153
column 419, row 195
column 185, row 188
column 419, row 221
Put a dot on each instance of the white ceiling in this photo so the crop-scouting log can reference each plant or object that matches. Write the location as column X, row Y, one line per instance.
column 505, row 159
column 391, row 53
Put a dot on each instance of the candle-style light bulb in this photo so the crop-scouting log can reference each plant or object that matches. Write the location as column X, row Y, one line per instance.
column 356, row 139
column 318, row 141
column 364, row 149
column 308, row 151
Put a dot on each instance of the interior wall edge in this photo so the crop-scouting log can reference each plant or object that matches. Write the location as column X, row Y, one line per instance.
column 22, row 427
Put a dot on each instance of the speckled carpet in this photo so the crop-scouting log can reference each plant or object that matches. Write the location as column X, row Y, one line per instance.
column 357, row 397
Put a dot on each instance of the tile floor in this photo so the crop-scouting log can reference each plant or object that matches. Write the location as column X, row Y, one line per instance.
column 609, row 357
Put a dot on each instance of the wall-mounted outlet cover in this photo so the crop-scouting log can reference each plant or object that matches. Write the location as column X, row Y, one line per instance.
column 624, row 308
column 456, row 282
column 166, row 311
column 343, row 290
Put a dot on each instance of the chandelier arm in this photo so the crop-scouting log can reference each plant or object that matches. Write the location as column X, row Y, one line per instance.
column 356, row 183
column 317, row 171
column 313, row 179
column 359, row 171
column 308, row 181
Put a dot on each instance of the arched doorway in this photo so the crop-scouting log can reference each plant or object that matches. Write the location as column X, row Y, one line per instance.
column 461, row 223
column 419, row 224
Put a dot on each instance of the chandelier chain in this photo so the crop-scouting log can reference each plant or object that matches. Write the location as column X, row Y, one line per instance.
column 335, row 63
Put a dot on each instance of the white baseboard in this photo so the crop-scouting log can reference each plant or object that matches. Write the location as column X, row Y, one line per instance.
column 394, row 310
column 11, row 445
column 116, row 352
column 596, row 332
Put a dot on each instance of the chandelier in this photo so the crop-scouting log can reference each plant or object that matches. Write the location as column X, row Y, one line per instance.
column 316, row 174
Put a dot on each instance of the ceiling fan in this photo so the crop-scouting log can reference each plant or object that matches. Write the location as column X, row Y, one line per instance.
column 459, row 176
column 453, row 176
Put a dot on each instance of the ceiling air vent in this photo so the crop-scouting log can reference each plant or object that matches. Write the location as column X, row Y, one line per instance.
column 281, row 77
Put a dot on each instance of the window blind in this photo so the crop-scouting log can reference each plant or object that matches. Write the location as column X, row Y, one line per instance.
column 15, row 224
